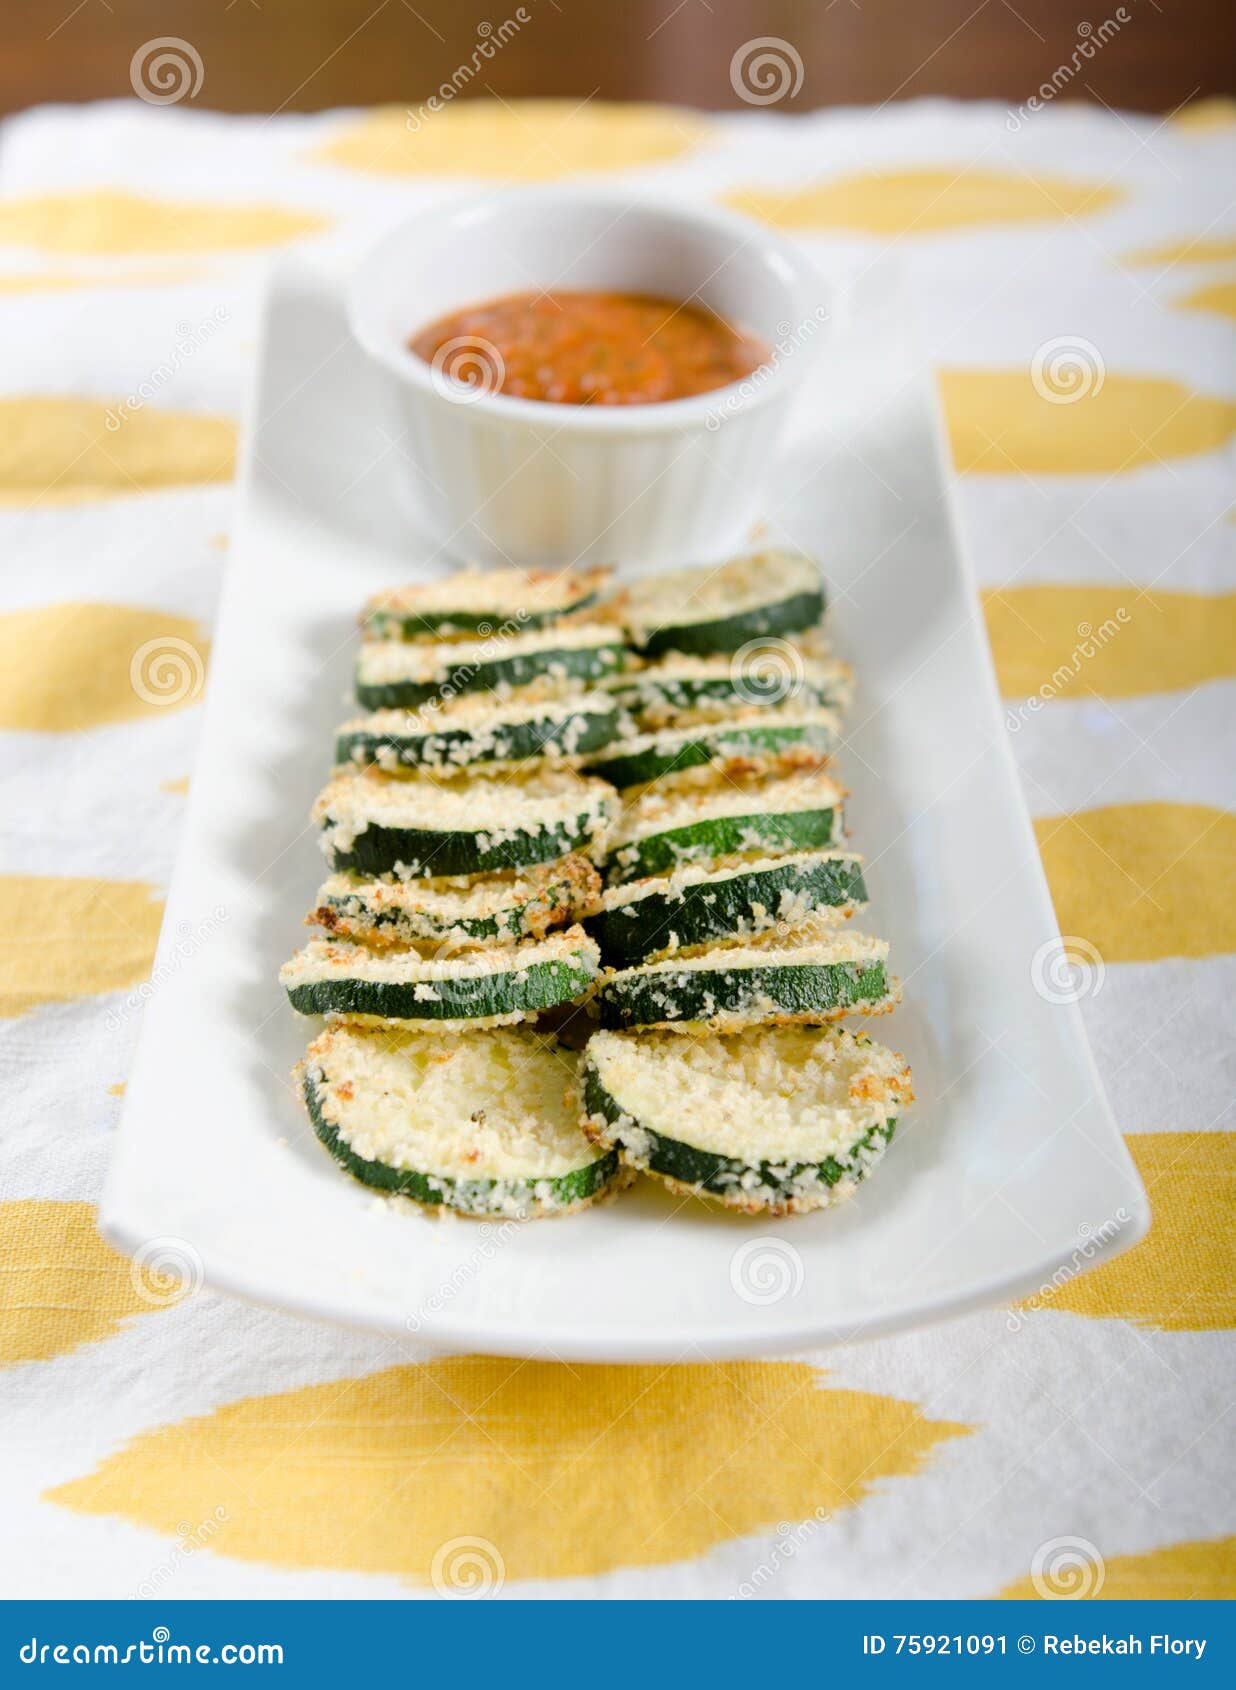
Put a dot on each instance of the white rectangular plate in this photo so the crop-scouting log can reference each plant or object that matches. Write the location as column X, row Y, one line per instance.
column 1009, row 1168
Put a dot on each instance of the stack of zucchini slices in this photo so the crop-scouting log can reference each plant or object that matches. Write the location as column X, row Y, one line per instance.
column 717, row 1065
column 463, row 835
column 556, row 796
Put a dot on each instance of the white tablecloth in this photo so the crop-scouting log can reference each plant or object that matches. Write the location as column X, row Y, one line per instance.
column 1075, row 271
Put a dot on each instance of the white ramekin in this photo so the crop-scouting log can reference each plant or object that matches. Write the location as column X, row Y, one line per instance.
column 532, row 483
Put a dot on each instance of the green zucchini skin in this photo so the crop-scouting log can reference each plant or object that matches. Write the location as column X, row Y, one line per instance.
column 631, row 999
column 536, row 986
column 721, row 1176
column 655, row 696
column 728, row 633
column 516, row 669
column 719, row 836
column 552, row 904
column 446, row 624
column 500, row 928
column 712, row 909
column 476, row 1197
column 422, row 852
column 457, row 748
column 711, row 743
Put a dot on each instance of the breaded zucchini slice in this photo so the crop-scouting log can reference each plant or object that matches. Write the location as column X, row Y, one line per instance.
column 483, row 1123
column 418, row 827
column 813, row 976
column 478, row 988
column 777, row 1121
column 677, row 689
column 700, row 905
column 714, row 817
column 707, row 609
column 475, row 729
column 395, row 675
column 493, row 910
column 759, row 735
column 476, row 602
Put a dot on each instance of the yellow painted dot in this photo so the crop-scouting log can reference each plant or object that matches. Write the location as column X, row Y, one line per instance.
column 1140, row 882
column 1204, row 115
column 558, row 1471
column 68, row 451
column 530, row 140
column 61, row 1285
column 1058, row 642
column 1217, row 297
column 1202, row 249
column 1000, row 423
column 64, row 939
column 1182, row 1276
column 117, row 1089
column 66, row 667
column 98, row 221
column 924, row 202
column 1204, row 1570
column 177, row 788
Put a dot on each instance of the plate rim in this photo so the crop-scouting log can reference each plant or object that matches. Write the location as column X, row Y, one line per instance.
column 443, row 1335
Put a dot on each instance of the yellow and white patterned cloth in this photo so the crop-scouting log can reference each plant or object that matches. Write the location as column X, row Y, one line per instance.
column 1077, row 276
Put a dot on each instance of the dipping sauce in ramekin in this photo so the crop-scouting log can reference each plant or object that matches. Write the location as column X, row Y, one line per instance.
column 589, row 348
column 501, row 478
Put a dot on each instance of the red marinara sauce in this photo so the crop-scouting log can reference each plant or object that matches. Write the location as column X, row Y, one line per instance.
column 589, row 348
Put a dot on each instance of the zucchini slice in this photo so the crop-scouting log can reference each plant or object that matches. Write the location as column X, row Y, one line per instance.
column 806, row 735
column 700, row 905
column 775, row 1122
column 391, row 675
column 705, row 610
column 486, row 1123
column 660, row 831
column 704, row 688
column 474, row 729
column 484, row 988
column 413, row 826
column 810, row 977
column 495, row 910
column 474, row 602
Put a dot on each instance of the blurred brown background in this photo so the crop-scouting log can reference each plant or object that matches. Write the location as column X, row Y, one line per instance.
column 270, row 55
